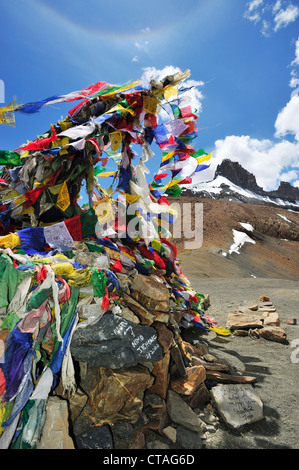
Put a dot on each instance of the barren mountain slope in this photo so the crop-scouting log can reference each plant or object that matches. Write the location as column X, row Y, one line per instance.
column 275, row 252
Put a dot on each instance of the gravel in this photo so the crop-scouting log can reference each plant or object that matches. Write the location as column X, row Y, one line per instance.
column 275, row 366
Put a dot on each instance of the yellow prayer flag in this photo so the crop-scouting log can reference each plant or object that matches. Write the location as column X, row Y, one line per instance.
column 170, row 91
column 204, row 158
column 116, row 140
column 106, row 173
column 60, row 142
column 220, row 331
column 10, row 241
column 129, row 197
column 6, row 114
column 150, row 104
column 64, row 125
column 24, row 154
column 104, row 210
column 120, row 108
column 156, row 244
column 63, row 200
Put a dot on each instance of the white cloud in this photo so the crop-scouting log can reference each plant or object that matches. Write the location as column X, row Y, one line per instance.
column 135, row 59
column 266, row 28
column 142, row 45
column 254, row 4
column 251, row 13
column 273, row 17
column 289, row 175
column 294, row 82
column 194, row 94
column 296, row 60
column 287, row 121
column 266, row 159
column 284, row 17
column 296, row 183
column 277, row 6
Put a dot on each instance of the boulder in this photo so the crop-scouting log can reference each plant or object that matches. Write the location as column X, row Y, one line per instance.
column 180, row 413
column 237, row 404
column 150, row 292
column 188, row 384
column 95, row 438
column 114, row 342
column 274, row 333
column 114, row 395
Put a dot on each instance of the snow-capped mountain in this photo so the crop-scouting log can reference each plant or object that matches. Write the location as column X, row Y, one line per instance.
column 232, row 182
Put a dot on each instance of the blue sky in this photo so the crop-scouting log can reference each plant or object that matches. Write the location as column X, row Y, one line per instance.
column 243, row 57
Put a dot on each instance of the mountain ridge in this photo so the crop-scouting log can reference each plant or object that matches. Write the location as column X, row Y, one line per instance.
column 235, row 183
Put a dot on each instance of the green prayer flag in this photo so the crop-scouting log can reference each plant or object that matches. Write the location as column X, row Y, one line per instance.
column 98, row 281
column 10, row 158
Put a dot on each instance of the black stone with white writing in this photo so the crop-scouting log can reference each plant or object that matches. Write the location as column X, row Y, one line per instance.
column 114, row 342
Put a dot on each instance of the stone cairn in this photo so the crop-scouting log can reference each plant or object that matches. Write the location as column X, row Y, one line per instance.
column 92, row 351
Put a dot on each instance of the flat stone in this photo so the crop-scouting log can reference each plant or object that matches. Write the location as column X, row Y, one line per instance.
column 273, row 333
column 127, row 314
column 240, row 332
column 271, row 319
column 237, row 404
column 236, row 321
column 150, row 292
column 55, row 433
column 180, row 413
column 170, row 433
column 114, row 342
column 161, row 373
column 188, row 384
column 254, row 307
column 165, row 336
column 145, row 316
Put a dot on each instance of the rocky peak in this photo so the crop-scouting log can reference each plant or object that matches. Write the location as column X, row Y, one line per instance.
column 287, row 191
column 235, row 173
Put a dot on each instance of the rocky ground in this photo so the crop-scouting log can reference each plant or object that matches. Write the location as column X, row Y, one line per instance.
column 274, row 365
column 269, row 267
column 151, row 386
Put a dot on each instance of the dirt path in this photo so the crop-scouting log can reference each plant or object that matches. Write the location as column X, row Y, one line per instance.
column 275, row 366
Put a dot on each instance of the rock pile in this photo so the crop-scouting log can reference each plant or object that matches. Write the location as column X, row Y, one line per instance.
column 140, row 385
column 93, row 302
column 259, row 320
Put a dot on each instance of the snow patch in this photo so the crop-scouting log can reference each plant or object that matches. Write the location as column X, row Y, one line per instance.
column 239, row 239
column 284, row 218
column 213, row 188
column 246, row 226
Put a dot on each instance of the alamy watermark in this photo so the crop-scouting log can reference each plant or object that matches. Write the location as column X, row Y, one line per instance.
column 295, row 353
column 183, row 221
column 2, row 91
